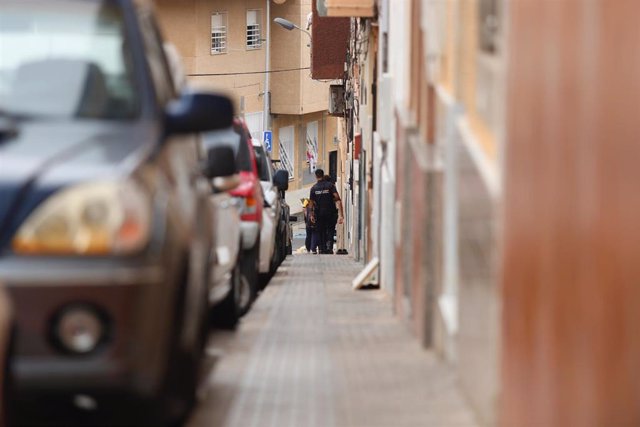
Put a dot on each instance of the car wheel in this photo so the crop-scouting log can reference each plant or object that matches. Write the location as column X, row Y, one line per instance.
column 249, row 268
column 285, row 246
column 226, row 313
column 183, row 373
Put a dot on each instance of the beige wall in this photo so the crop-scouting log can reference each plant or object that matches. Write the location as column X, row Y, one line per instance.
column 296, row 99
column 187, row 24
column 327, row 131
column 294, row 92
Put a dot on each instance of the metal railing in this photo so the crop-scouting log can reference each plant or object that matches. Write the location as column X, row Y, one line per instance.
column 286, row 160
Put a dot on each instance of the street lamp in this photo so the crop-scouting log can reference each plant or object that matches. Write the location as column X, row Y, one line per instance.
column 288, row 25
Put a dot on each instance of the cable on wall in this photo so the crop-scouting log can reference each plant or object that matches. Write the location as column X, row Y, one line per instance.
column 247, row 72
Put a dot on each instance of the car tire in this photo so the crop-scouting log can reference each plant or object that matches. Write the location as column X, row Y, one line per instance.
column 285, row 245
column 249, row 267
column 289, row 250
column 226, row 314
column 182, row 379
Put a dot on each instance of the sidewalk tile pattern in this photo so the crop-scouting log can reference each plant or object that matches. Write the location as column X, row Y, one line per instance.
column 313, row 352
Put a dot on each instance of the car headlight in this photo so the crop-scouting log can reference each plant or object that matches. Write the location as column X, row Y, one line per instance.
column 90, row 219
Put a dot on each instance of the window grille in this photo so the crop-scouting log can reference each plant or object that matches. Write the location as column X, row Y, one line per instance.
column 254, row 18
column 219, row 33
column 286, row 143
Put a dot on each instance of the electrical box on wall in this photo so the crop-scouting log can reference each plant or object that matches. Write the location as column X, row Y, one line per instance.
column 385, row 98
column 336, row 100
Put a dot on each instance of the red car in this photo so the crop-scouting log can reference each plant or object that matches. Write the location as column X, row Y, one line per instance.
column 249, row 194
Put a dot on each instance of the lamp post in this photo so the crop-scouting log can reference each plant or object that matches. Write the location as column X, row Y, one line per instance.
column 266, row 113
column 288, row 25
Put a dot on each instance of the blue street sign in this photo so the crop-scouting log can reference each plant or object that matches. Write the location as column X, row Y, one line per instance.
column 267, row 138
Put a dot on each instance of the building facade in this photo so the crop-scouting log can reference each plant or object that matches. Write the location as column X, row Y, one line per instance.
column 224, row 44
column 423, row 131
column 489, row 159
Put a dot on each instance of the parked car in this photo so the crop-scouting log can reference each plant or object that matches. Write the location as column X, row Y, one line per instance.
column 275, row 235
column 105, row 217
column 229, row 290
column 231, row 294
column 251, row 199
column 281, row 182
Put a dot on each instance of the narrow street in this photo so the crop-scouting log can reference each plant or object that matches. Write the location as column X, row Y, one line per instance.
column 313, row 352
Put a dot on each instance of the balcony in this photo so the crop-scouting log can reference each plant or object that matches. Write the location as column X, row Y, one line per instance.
column 346, row 8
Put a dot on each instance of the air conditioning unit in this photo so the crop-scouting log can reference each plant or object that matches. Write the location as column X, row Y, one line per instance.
column 336, row 100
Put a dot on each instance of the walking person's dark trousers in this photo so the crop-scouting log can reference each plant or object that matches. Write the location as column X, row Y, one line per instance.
column 323, row 222
column 315, row 241
column 307, row 240
column 330, row 232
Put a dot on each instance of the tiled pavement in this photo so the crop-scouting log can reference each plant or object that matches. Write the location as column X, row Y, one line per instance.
column 313, row 352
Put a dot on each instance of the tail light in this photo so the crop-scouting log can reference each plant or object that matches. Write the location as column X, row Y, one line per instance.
column 250, row 211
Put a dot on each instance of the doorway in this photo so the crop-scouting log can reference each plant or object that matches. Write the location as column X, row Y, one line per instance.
column 333, row 165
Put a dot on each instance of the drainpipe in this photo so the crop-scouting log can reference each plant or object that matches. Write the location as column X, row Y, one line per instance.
column 266, row 113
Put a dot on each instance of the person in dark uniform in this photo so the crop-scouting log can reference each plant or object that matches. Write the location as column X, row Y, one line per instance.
column 331, row 228
column 323, row 198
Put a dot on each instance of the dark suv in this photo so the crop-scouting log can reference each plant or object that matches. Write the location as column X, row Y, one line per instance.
column 104, row 223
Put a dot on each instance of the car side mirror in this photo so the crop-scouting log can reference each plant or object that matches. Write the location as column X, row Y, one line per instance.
column 198, row 112
column 281, row 179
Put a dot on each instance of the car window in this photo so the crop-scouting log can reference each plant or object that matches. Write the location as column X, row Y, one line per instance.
column 65, row 59
column 263, row 163
column 231, row 138
column 243, row 157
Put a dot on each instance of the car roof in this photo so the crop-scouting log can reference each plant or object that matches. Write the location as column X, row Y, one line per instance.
column 218, row 137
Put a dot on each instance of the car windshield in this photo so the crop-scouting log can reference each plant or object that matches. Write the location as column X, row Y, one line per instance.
column 62, row 59
column 231, row 138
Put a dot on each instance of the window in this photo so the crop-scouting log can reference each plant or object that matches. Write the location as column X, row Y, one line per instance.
column 489, row 25
column 254, row 18
column 254, row 123
column 219, row 33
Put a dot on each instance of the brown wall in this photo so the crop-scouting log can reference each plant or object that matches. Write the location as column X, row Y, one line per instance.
column 329, row 50
column 571, row 270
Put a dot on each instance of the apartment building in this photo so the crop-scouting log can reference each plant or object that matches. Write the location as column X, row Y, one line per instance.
column 490, row 150
column 424, row 128
column 224, row 44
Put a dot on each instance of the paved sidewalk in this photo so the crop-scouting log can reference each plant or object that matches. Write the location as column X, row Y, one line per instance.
column 312, row 352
